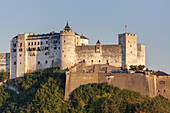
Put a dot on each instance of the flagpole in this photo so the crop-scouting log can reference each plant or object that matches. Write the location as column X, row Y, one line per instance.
column 125, row 28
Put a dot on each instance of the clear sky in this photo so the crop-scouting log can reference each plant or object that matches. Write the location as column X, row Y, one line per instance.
column 97, row 19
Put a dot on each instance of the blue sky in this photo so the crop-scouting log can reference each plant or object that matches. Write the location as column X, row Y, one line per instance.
column 97, row 19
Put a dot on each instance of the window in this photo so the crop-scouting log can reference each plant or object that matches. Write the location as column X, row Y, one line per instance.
column 58, row 47
column 64, row 41
column 55, row 47
column 99, row 60
column 46, row 48
column 107, row 61
column 162, row 82
column 46, row 42
column 29, row 49
column 14, row 63
column 46, row 61
column 14, row 50
column 92, row 61
column 64, row 55
column 33, row 49
column 158, row 91
column 29, row 44
column 20, row 55
column 52, row 61
column 109, row 79
column 41, row 43
column 38, row 62
column 20, row 62
column 35, row 43
column 38, row 49
column 38, row 43
column 20, row 49
column 97, row 47
column 32, row 43
column 14, row 45
column 20, row 44
column 164, row 91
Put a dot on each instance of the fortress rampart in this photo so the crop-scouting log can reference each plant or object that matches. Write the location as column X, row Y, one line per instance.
column 145, row 83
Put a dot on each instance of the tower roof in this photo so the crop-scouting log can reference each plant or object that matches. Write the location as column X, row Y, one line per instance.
column 67, row 27
column 98, row 42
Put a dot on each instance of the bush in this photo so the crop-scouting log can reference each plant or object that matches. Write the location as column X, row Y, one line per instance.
column 3, row 75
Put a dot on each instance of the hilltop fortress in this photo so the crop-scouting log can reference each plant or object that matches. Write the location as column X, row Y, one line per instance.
column 84, row 63
column 30, row 52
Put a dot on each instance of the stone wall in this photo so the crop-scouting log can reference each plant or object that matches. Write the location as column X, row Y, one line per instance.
column 136, row 82
column 141, row 54
column 5, row 62
column 110, row 54
column 163, row 86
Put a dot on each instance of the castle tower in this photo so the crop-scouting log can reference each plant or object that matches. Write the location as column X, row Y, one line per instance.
column 98, row 47
column 129, row 49
column 17, row 57
column 67, row 40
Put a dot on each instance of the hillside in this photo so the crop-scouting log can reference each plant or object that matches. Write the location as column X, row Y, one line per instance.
column 43, row 91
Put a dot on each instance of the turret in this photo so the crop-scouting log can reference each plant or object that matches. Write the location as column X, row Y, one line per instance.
column 98, row 47
column 67, row 40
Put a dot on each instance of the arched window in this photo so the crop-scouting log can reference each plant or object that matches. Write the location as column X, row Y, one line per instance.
column 162, row 82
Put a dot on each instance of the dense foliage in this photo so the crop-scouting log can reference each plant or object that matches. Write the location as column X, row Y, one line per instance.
column 3, row 75
column 43, row 91
column 96, row 98
column 137, row 68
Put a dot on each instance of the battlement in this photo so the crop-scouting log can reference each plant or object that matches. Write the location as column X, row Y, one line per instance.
column 127, row 34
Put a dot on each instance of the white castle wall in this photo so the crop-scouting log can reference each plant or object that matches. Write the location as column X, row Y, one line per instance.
column 5, row 62
column 110, row 54
column 141, row 54
column 30, row 52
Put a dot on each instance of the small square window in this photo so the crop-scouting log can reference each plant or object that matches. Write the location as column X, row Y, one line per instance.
column 38, row 62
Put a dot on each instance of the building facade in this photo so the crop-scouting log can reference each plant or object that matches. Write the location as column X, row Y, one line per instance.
column 5, row 62
column 30, row 52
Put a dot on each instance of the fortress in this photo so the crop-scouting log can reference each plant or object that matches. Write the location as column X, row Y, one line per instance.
column 84, row 63
column 30, row 52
